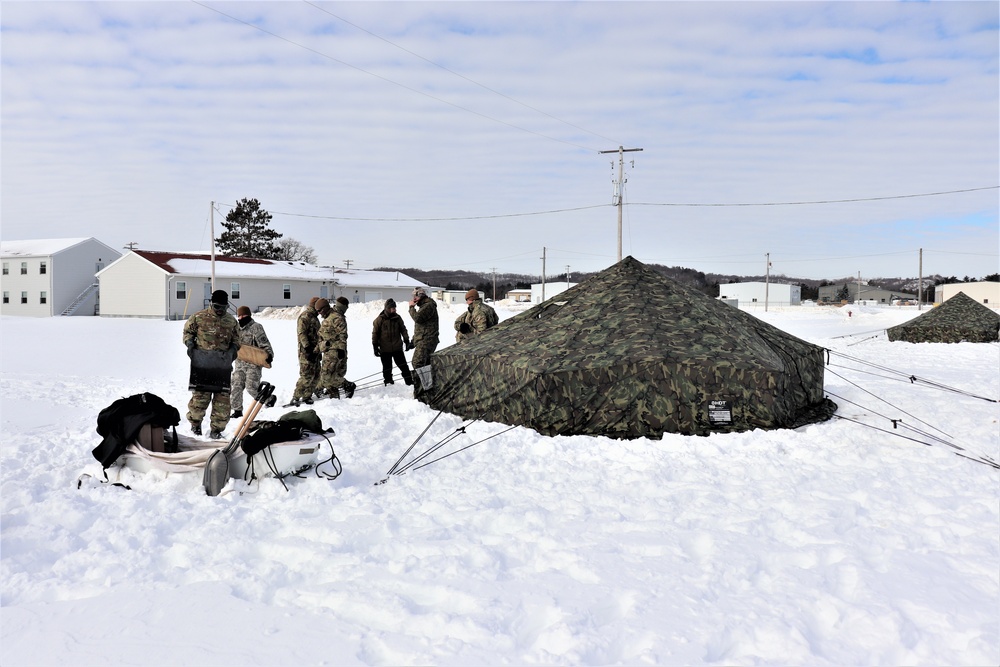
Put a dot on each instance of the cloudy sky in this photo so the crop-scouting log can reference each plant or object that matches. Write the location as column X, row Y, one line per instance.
column 372, row 131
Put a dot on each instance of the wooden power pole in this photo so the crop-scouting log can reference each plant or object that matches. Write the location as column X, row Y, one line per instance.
column 620, row 189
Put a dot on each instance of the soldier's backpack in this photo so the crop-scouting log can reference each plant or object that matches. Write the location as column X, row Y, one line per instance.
column 492, row 319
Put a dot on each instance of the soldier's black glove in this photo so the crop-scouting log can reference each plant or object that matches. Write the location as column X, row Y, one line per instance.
column 409, row 346
column 270, row 358
column 233, row 349
column 465, row 328
column 341, row 354
column 375, row 347
column 190, row 347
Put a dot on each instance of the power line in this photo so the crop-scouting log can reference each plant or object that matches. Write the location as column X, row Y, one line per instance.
column 461, row 76
column 387, row 80
column 452, row 219
column 595, row 206
column 821, row 201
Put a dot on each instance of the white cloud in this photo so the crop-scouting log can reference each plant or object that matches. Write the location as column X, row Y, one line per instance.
column 124, row 120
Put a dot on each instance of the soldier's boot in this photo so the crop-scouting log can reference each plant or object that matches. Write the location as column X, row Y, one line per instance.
column 215, row 435
column 349, row 388
column 236, row 414
column 196, row 428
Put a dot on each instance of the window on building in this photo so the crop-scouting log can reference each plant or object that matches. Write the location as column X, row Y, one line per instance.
column 6, row 268
column 6, row 297
column 286, row 291
column 43, row 297
column 24, row 297
column 234, row 290
column 182, row 289
column 24, row 268
column 42, row 268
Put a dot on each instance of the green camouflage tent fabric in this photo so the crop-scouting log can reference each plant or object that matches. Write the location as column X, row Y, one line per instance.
column 630, row 353
column 959, row 319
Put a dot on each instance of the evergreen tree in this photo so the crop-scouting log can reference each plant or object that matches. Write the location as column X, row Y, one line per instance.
column 248, row 232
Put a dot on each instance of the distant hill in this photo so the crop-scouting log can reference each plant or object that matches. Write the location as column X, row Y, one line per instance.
column 705, row 282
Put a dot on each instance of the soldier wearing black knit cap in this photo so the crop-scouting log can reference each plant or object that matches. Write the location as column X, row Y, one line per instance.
column 212, row 330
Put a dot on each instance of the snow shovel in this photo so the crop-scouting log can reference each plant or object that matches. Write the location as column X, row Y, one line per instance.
column 217, row 467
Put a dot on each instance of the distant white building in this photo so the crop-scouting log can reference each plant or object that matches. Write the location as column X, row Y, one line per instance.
column 48, row 277
column 544, row 291
column 519, row 295
column 985, row 293
column 449, row 296
column 172, row 285
column 775, row 294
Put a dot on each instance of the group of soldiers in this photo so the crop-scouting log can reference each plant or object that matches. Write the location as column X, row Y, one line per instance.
column 322, row 349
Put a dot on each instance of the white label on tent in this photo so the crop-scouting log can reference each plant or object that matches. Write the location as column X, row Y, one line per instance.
column 425, row 377
column 720, row 412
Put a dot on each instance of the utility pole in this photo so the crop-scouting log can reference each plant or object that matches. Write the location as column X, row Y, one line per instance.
column 211, row 226
column 543, row 273
column 567, row 276
column 620, row 189
column 494, row 284
column 767, row 278
column 920, row 282
column 131, row 245
column 347, row 263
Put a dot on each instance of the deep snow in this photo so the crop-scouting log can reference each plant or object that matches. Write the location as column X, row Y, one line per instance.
column 833, row 544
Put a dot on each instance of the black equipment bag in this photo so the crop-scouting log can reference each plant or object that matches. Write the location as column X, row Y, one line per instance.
column 120, row 422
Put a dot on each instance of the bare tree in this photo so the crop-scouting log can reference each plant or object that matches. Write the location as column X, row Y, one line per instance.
column 292, row 250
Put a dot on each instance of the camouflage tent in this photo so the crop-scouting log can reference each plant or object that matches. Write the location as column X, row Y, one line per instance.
column 959, row 319
column 630, row 353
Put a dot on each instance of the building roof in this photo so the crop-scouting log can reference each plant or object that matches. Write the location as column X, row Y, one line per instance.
column 360, row 277
column 38, row 247
column 200, row 264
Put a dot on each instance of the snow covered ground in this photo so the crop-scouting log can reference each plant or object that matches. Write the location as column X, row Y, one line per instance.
column 834, row 544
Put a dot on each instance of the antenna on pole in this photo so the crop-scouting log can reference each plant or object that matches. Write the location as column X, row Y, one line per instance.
column 620, row 188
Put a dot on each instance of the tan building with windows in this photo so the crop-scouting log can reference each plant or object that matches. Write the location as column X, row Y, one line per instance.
column 175, row 285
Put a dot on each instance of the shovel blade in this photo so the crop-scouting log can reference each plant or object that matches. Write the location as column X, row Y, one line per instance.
column 216, row 473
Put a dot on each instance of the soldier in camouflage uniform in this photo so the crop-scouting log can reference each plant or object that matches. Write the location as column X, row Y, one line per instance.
column 476, row 319
column 307, row 327
column 246, row 375
column 211, row 329
column 333, row 344
column 425, row 339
